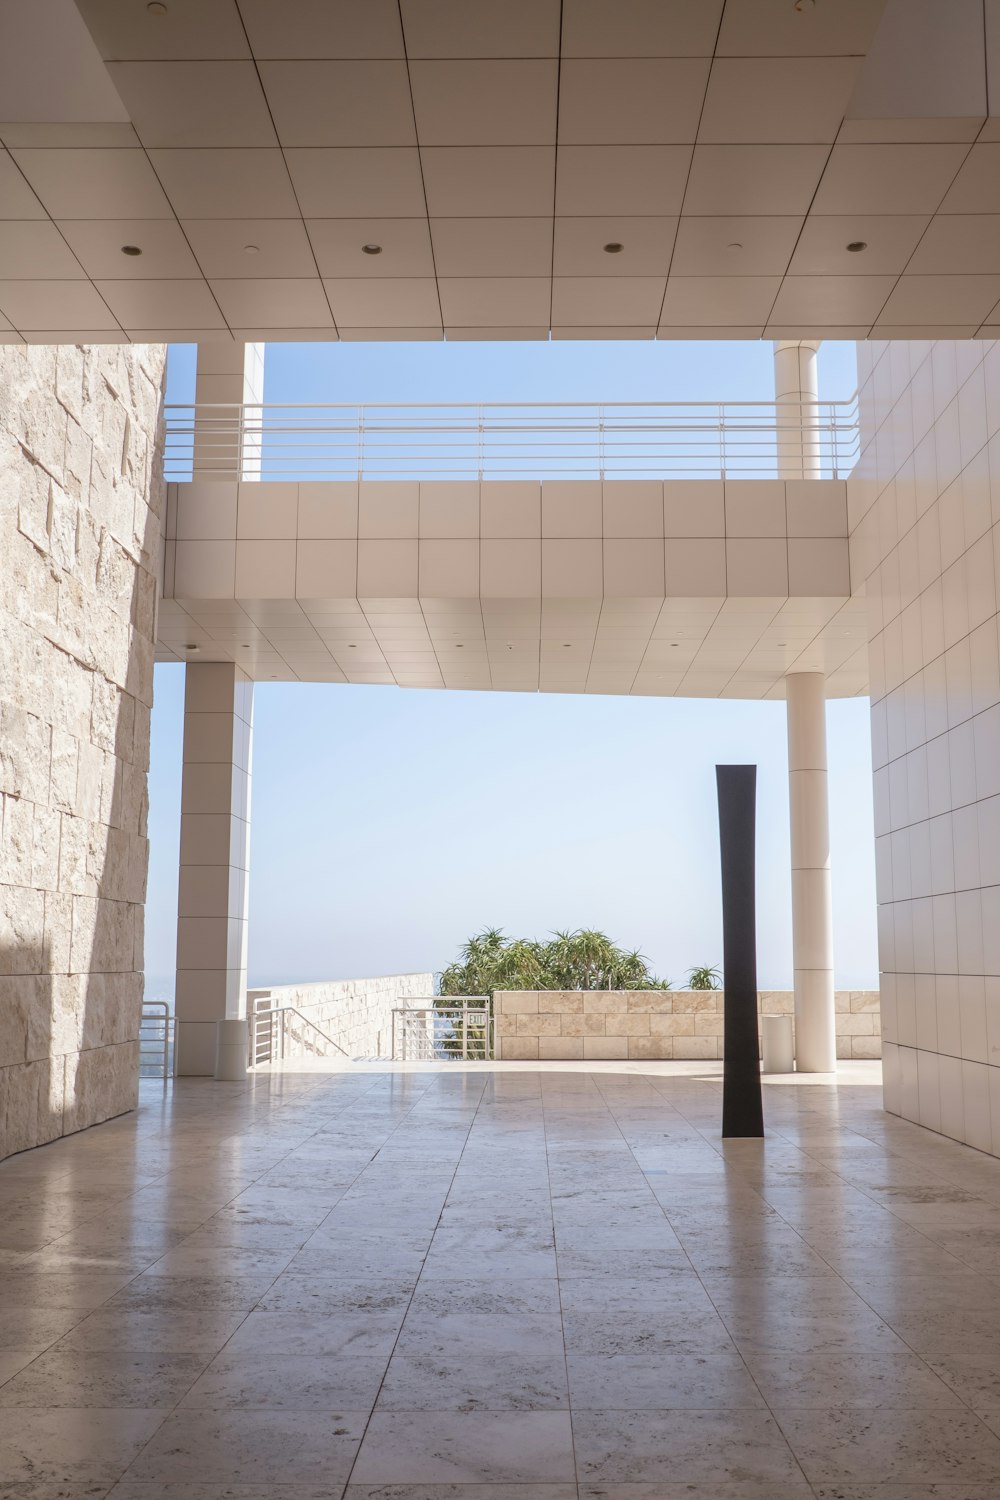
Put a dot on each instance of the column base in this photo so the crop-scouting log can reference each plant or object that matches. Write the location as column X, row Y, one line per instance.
column 231, row 1050
column 815, row 1022
column 194, row 1048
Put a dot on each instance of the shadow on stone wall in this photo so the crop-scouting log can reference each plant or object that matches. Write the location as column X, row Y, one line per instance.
column 102, row 1079
column 71, row 942
column 32, row 1088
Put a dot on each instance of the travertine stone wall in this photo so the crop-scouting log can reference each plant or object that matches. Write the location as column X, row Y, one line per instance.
column 80, row 499
column 355, row 1013
column 557, row 1025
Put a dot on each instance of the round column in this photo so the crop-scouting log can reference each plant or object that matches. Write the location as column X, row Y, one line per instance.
column 796, row 392
column 812, row 915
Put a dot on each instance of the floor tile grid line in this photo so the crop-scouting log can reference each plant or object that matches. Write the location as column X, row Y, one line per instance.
column 555, row 1241
column 739, row 1350
column 982, row 1425
column 416, row 1283
column 987, row 1163
column 703, row 1131
column 287, row 1155
column 924, row 1362
column 100, row 1210
column 168, row 1412
column 887, row 1149
column 876, row 1140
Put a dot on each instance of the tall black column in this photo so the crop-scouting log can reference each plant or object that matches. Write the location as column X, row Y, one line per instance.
column 742, row 1112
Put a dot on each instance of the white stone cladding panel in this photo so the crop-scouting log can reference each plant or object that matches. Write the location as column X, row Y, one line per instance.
column 80, row 505
column 924, row 507
column 560, row 1025
column 230, row 539
column 354, row 1013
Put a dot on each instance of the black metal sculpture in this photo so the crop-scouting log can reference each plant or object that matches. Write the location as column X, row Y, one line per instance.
column 742, row 1111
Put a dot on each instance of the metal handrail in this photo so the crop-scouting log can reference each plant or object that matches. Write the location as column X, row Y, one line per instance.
column 156, row 1028
column 429, row 1046
column 466, row 440
column 282, row 1010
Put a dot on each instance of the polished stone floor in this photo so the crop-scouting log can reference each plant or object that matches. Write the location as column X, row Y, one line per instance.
column 507, row 1283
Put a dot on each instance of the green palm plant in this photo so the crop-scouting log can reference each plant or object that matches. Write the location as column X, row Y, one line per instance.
column 580, row 960
column 704, row 978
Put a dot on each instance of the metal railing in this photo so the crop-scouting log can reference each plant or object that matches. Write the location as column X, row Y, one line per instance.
column 439, row 1032
column 271, row 1040
column 156, row 1040
column 504, row 440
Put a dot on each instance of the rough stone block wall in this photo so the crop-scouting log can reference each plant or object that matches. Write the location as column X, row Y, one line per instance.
column 556, row 1025
column 355, row 1013
column 80, row 500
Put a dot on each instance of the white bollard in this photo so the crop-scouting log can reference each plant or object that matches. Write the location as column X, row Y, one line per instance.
column 231, row 1050
column 777, row 1049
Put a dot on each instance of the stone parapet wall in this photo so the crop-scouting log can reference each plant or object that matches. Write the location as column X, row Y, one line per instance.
column 354, row 1013
column 559, row 1025
column 80, row 502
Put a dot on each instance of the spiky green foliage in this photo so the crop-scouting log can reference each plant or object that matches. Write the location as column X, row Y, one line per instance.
column 581, row 960
column 704, row 978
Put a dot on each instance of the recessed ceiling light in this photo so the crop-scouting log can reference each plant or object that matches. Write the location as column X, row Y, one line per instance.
column 251, row 249
column 857, row 245
column 131, row 250
column 734, row 245
column 351, row 646
column 371, row 249
column 156, row 8
column 458, row 645
column 566, row 645
column 613, row 248
column 804, row 5
column 192, row 647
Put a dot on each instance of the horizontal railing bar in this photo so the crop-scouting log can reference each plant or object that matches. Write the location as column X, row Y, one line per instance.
column 495, row 405
column 734, row 426
column 475, row 440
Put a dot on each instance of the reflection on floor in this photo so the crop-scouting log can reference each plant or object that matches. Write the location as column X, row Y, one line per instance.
column 510, row 1283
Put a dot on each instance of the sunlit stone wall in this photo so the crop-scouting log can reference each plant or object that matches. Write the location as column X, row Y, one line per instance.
column 80, row 499
column 354, row 1013
column 609, row 1025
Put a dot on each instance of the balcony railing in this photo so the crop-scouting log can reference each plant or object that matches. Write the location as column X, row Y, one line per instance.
column 156, row 1040
column 576, row 440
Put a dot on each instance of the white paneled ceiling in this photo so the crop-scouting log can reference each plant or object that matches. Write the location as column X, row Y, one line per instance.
column 252, row 149
column 688, row 648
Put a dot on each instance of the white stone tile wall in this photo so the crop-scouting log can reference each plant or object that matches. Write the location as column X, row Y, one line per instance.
column 355, row 1013
column 925, row 519
column 455, row 539
column 80, row 501
column 558, row 1025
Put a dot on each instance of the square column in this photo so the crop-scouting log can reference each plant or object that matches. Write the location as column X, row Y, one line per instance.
column 213, row 886
column 228, row 378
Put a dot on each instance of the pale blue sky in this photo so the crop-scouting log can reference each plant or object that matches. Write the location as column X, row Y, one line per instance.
column 389, row 824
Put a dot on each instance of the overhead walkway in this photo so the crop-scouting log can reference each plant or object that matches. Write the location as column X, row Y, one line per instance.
column 643, row 549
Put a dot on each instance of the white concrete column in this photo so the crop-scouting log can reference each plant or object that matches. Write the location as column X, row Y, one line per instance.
column 214, row 865
column 796, row 391
column 812, row 915
column 228, row 375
